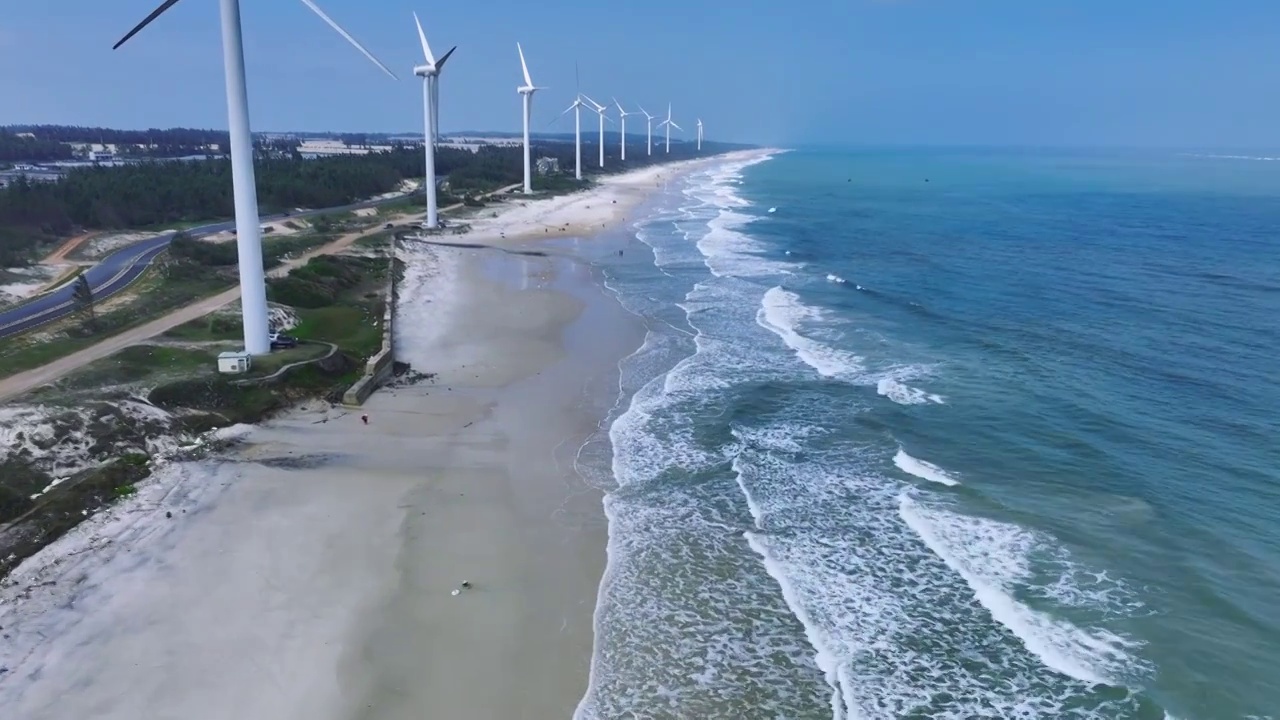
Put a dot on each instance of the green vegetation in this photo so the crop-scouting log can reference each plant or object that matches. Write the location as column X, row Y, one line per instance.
column 208, row 329
column 51, row 142
column 190, row 271
column 339, row 300
column 138, row 363
column 156, row 194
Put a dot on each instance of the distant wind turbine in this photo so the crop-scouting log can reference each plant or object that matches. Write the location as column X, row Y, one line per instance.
column 649, row 124
column 622, row 115
column 599, row 110
column 526, row 93
column 253, row 286
column 670, row 124
column 699, row 134
column 430, row 74
column 576, row 107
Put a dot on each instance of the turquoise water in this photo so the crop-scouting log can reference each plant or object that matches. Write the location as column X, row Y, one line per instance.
column 949, row 434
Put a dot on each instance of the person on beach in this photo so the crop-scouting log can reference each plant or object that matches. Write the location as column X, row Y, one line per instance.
column 364, row 419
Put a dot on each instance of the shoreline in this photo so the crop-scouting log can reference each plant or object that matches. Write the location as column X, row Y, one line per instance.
column 503, row 418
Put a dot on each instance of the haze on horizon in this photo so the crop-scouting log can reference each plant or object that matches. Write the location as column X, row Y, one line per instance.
column 1183, row 73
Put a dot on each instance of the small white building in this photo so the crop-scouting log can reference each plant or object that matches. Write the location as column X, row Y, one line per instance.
column 234, row 362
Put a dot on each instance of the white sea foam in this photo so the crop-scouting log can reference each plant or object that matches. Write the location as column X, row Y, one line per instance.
column 888, row 619
column 893, row 388
column 921, row 469
column 832, row 277
column 698, row 659
column 994, row 558
column 782, row 313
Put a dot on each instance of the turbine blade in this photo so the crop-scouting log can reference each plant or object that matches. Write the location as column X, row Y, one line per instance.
column 443, row 58
column 594, row 104
column 524, row 67
column 577, row 86
column 154, row 14
column 426, row 48
column 566, row 110
column 677, row 127
column 646, row 112
column 348, row 37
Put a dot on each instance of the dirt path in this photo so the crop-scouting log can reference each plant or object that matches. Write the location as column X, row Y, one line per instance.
column 15, row 385
column 59, row 255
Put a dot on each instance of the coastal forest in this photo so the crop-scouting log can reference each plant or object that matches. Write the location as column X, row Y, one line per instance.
column 46, row 143
column 157, row 193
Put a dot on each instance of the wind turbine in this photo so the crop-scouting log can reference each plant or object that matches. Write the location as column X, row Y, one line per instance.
column 253, row 285
column 649, row 123
column 430, row 74
column 599, row 110
column 435, row 86
column 699, row 134
column 622, row 114
column 668, row 122
column 526, row 93
column 576, row 107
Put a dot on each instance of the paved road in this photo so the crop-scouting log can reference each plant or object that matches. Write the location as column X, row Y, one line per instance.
column 119, row 269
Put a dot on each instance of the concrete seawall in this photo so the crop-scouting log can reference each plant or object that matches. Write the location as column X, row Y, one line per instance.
column 378, row 369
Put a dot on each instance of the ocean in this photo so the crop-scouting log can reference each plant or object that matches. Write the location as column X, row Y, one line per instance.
column 946, row 434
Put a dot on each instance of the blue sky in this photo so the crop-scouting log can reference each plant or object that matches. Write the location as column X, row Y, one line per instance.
column 1184, row 73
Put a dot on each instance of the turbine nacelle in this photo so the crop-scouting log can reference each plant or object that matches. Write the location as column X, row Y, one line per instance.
column 528, row 88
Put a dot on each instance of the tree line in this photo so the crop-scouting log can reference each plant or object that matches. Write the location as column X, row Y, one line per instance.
column 159, row 193
column 187, row 137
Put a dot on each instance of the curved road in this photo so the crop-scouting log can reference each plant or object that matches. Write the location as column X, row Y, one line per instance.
column 117, row 270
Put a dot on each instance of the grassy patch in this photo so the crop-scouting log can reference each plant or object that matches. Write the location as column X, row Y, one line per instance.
column 140, row 363
column 377, row 240
column 208, row 329
column 558, row 184
column 412, row 203
column 277, row 250
column 353, row 328
column 183, row 225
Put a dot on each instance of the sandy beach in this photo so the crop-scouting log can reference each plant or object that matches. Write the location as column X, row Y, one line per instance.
column 310, row 571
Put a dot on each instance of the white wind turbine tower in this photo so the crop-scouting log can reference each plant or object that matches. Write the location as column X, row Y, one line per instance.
column 649, row 123
column 699, row 134
column 599, row 110
column 430, row 74
column 576, row 107
column 622, row 115
column 526, row 92
column 668, row 122
column 253, row 286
